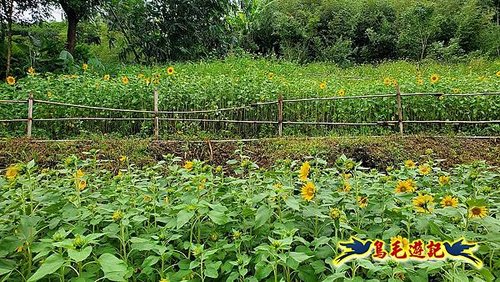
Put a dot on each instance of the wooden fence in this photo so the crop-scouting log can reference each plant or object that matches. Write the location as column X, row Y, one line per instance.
column 156, row 114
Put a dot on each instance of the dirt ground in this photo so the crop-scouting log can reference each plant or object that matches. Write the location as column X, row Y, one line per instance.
column 374, row 152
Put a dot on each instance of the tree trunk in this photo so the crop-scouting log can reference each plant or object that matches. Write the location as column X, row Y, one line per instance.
column 9, row 36
column 71, row 35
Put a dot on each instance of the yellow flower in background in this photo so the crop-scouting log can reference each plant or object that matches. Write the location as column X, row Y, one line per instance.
column 478, row 211
column 12, row 172
column 304, row 171
column 443, row 180
column 124, row 80
column 49, row 94
column 405, row 186
column 394, row 82
column 449, row 201
column 362, row 201
column 456, row 90
column 308, row 191
column 170, row 70
column 81, row 184
column 189, row 165
column 270, row 76
column 346, row 187
column 322, row 85
column 140, row 76
column 341, row 92
column 85, row 67
column 435, row 78
column 10, row 80
column 424, row 169
column 123, row 158
column 335, row 213
column 31, row 71
column 498, row 73
column 147, row 81
column 387, row 81
column 117, row 215
column 106, row 77
column 420, row 81
column 79, row 174
column 423, row 203
column 409, row 164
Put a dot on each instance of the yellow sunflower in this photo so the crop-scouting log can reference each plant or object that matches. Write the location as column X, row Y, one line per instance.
column 124, row 80
column 85, row 67
column 270, row 76
column 423, row 203
column 498, row 73
column 341, row 92
column 409, row 164
column 304, row 171
column 81, row 184
column 335, row 213
column 420, row 81
column 346, row 187
column 308, row 191
column 322, row 85
column 405, row 244
column 443, row 180
column 189, row 165
column 12, row 172
column 123, row 158
column 394, row 82
column 10, row 80
column 117, row 215
column 478, row 211
column 79, row 174
column 387, row 81
column 435, row 78
column 106, row 77
column 31, row 71
column 456, row 90
column 405, row 186
column 170, row 70
column 362, row 201
column 424, row 169
column 449, row 201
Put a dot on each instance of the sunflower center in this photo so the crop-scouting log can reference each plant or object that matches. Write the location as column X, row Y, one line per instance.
column 476, row 211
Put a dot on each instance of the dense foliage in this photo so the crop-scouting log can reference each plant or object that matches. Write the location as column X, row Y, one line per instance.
column 194, row 222
column 242, row 81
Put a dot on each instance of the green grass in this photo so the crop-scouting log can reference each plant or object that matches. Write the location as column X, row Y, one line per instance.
column 241, row 81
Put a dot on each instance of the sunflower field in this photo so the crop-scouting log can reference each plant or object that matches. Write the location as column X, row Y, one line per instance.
column 190, row 221
column 241, row 81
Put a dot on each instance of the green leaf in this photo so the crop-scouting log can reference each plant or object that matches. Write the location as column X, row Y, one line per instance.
column 262, row 216
column 212, row 268
column 114, row 268
column 262, row 270
column 80, row 255
column 299, row 257
column 6, row 266
column 49, row 266
column 218, row 217
column 183, row 217
column 292, row 203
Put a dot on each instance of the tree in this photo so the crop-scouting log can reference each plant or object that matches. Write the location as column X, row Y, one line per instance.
column 75, row 11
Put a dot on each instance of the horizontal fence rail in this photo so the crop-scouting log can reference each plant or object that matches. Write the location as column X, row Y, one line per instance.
column 156, row 114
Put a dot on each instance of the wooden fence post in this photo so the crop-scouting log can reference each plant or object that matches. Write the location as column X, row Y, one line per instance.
column 157, row 120
column 400, row 109
column 30, row 115
column 280, row 115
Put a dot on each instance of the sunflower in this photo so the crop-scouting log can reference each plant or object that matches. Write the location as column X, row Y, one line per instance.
column 189, row 165
column 49, row 94
column 322, row 85
column 170, row 70
column 140, row 76
column 335, row 213
column 31, row 71
column 387, row 81
column 498, row 73
column 308, row 191
column 123, row 158
column 270, row 76
column 444, row 180
column 12, row 172
column 405, row 186
column 420, row 81
column 106, row 77
column 10, row 80
column 394, row 82
column 341, row 92
column 81, row 184
column 304, row 171
column 456, row 90
column 346, row 187
column 79, row 174
column 449, row 201
column 85, row 67
column 409, row 164
column 117, row 215
column 124, row 80
column 435, row 78
column 362, row 201
column 423, row 203
column 478, row 211
column 424, row 169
